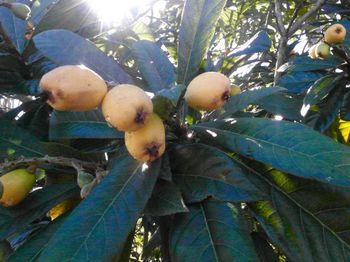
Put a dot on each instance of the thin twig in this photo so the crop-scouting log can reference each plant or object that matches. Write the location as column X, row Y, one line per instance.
column 302, row 19
column 63, row 161
column 279, row 20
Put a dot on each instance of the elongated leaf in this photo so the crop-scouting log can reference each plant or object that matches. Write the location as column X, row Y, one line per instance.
column 16, row 142
column 260, row 42
column 285, row 104
column 305, row 63
column 298, row 82
column 66, row 48
column 72, row 15
column 323, row 116
column 71, row 125
column 202, row 171
column 247, row 98
column 154, row 65
column 32, row 248
column 263, row 248
column 287, row 146
column 13, row 27
column 320, row 89
column 197, row 28
column 301, row 235
column 106, row 217
column 212, row 231
column 166, row 200
column 35, row 206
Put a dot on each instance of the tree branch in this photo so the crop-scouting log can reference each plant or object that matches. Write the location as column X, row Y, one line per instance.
column 303, row 18
column 279, row 20
column 63, row 161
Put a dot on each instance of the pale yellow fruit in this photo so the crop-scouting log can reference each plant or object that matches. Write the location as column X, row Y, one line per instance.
column 335, row 34
column 208, row 91
column 73, row 88
column 127, row 107
column 16, row 185
column 322, row 50
column 147, row 143
column 235, row 90
column 312, row 52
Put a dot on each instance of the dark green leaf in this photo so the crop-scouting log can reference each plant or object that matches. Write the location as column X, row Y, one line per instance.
column 71, row 125
column 260, row 42
column 173, row 93
column 32, row 248
column 16, row 142
column 248, row 97
column 77, row 50
column 106, row 217
column 287, row 105
column 35, row 206
column 298, row 82
column 163, row 107
column 320, row 89
column 290, row 147
column 263, row 248
column 202, row 171
column 305, row 63
column 72, row 15
column 13, row 27
column 212, row 231
column 154, row 65
column 166, row 200
column 197, row 28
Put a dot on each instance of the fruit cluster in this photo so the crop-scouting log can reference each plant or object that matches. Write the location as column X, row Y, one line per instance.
column 334, row 34
column 127, row 107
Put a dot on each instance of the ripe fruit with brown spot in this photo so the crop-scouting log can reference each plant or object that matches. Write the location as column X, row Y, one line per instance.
column 147, row 143
column 73, row 88
column 312, row 52
column 322, row 50
column 16, row 185
column 335, row 34
column 127, row 107
column 208, row 91
column 235, row 90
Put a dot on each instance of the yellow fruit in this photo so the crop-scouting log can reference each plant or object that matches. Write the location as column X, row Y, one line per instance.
column 208, row 91
column 73, row 88
column 16, row 185
column 235, row 90
column 335, row 34
column 20, row 10
column 312, row 52
column 147, row 143
column 322, row 50
column 127, row 107
column 63, row 207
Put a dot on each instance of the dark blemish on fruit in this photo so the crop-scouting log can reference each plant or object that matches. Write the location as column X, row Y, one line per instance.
column 225, row 96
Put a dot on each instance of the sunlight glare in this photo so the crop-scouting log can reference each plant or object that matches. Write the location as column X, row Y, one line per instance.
column 115, row 11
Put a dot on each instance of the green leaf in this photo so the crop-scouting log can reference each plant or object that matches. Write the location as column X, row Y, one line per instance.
column 36, row 205
column 263, row 248
column 32, row 248
column 320, row 89
column 305, row 63
column 201, row 171
column 301, row 234
column 77, row 50
column 16, row 142
column 163, row 107
column 172, row 94
column 154, row 65
column 211, row 231
column 260, row 42
column 196, row 31
column 105, row 218
column 291, row 147
column 248, row 97
column 285, row 104
column 5, row 250
column 166, row 200
column 72, row 125
column 72, row 15
column 298, row 82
